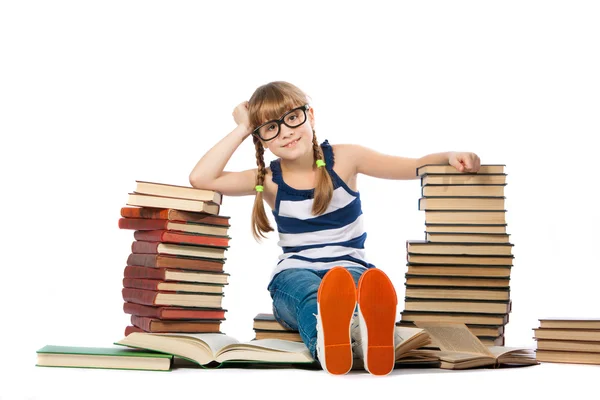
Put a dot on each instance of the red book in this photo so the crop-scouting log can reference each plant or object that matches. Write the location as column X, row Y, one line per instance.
column 163, row 286
column 156, row 298
column 164, row 261
column 154, row 224
column 174, row 215
column 130, row 329
column 157, row 325
column 175, row 275
column 187, row 250
column 165, row 236
column 173, row 312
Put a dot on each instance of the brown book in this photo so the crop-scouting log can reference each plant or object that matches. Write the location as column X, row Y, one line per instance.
column 156, row 298
column 466, row 259
column 181, row 192
column 461, row 203
column 462, row 190
column 494, row 331
column 456, row 293
column 463, row 179
column 469, row 319
column 165, row 286
column 467, row 237
column 460, row 228
column 145, row 224
column 131, row 329
column 568, row 334
column 144, row 200
column 170, row 326
column 176, row 275
column 450, row 306
column 570, row 323
column 425, row 280
column 292, row 336
column 175, row 262
column 567, row 357
column 165, row 236
column 484, row 271
column 143, row 247
column 458, row 248
column 472, row 217
column 173, row 312
column 267, row 322
column 174, row 215
column 449, row 169
column 568, row 345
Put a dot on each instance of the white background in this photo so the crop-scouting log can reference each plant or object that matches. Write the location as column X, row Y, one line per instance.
column 96, row 95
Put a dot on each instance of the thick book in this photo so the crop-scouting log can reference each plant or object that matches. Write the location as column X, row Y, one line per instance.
column 449, row 169
column 568, row 357
column 293, row 336
column 464, row 318
column 143, row 247
column 140, row 224
column 460, row 228
column 461, row 203
column 176, row 275
column 477, row 330
column 466, row 237
column 454, row 281
column 462, row 190
column 570, row 323
column 457, row 306
column 458, row 248
column 175, row 262
column 144, row 200
column 173, row 313
column 156, row 298
column 167, row 286
column 568, row 334
column 102, row 357
column 166, row 236
column 461, row 349
column 175, row 326
column 464, row 217
column 466, row 259
column 267, row 322
column 458, row 270
column 182, row 192
column 463, row 179
column 457, row 293
column 174, row 215
column 568, row 345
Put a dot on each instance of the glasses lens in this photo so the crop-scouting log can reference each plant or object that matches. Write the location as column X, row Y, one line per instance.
column 295, row 118
column 269, row 131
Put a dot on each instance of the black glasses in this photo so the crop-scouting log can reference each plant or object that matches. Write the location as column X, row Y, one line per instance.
column 293, row 119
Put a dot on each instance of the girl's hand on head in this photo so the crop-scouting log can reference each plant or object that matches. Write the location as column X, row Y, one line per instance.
column 465, row 162
column 241, row 116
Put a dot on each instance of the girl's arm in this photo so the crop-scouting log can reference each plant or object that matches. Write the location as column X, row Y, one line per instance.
column 378, row 165
column 208, row 172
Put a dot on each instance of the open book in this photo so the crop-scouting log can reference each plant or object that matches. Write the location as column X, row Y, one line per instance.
column 461, row 349
column 213, row 349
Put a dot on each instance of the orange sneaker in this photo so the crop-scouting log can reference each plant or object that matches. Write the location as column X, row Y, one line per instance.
column 377, row 320
column 336, row 301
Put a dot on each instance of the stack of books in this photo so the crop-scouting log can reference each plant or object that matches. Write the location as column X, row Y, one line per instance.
column 266, row 327
column 461, row 271
column 568, row 340
column 174, row 278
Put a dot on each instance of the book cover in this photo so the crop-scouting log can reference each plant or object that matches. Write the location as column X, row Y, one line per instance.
column 174, row 215
column 165, row 236
column 183, row 192
column 155, row 325
column 176, row 275
column 143, row 247
column 175, row 313
column 175, row 262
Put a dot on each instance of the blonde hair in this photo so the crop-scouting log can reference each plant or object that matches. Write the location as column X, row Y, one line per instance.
column 269, row 102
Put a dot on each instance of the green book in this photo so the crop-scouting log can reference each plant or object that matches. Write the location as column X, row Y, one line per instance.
column 102, row 357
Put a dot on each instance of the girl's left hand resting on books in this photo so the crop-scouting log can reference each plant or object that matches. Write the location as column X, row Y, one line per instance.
column 464, row 162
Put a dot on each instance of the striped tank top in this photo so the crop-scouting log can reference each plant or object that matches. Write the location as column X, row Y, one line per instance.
column 336, row 237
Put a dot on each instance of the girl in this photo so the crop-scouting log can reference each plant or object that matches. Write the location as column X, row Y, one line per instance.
column 312, row 192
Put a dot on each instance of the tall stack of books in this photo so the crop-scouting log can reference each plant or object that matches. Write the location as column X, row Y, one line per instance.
column 568, row 340
column 461, row 271
column 174, row 278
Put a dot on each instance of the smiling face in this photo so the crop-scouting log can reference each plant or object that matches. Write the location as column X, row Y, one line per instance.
column 292, row 143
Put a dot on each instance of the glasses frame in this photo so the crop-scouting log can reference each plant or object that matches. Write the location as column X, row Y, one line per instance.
column 280, row 121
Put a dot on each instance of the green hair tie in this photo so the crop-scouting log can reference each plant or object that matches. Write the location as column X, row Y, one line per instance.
column 259, row 188
column 320, row 163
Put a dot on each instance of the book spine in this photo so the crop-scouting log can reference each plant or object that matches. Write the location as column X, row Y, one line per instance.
column 198, row 218
column 139, row 296
column 141, row 272
column 146, row 284
column 138, row 247
column 159, row 261
column 142, row 224
column 144, row 212
column 150, row 236
column 143, row 323
column 141, row 310
column 131, row 329
column 165, row 236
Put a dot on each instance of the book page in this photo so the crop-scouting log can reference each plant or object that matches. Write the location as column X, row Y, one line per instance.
column 454, row 337
column 215, row 341
column 272, row 345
